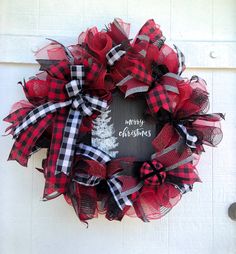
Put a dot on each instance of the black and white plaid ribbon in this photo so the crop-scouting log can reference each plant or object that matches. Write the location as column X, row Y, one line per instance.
column 181, row 60
column 81, row 105
column 115, row 186
column 189, row 139
column 183, row 188
column 120, row 197
column 115, row 54
column 92, row 153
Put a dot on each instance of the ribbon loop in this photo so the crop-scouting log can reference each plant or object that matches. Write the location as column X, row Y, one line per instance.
column 80, row 105
column 73, row 88
column 122, row 187
column 116, row 189
column 78, row 73
column 115, row 54
column 181, row 60
column 190, row 140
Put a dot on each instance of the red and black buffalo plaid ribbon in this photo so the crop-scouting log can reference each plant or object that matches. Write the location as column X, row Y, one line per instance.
column 23, row 146
column 151, row 29
column 153, row 173
column 158, row 96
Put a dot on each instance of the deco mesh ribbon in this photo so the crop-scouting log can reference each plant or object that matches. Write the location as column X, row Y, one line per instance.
column 75, row 84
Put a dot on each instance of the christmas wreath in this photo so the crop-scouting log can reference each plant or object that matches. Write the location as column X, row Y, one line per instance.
column 76, row 84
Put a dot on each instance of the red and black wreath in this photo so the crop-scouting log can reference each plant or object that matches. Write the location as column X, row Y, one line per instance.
column 67, row 113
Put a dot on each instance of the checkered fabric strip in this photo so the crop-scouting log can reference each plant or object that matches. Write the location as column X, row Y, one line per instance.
column 151, row 29
column 184, row 188
column 189, row 139
column 37, row 114
column 158, row 98
column 95, row 103
column 56, row 92
column 45, row 64
column 80, row 106
column 115, row 54
column 113, row 183
column 184, row 174
column 57, row 87
column 116, row 190
column 78, row 73
column 68, row 145
column 152, row 173
column 92, row 70
column 60, row 71
column 181, row 60
column 15, row 118
column 92, row 153
column 86, row 180
column 139, row 71
column 55, row 182
column 24, row 144
column 160, row 42
column 73, row 88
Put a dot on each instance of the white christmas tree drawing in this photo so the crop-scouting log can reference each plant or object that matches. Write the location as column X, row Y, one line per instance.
column 103, row 134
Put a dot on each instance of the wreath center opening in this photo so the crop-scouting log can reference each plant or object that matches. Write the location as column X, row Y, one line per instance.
column 123, row 131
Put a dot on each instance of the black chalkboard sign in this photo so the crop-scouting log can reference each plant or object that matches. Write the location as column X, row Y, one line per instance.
column 123, row 131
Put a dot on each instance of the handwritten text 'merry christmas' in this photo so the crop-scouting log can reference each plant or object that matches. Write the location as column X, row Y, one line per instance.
column 138, row 131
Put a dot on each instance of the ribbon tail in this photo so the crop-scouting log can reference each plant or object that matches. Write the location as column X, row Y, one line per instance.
column 38, row 113
column 116, row 190
column 55, row 183
column 23, row 146
column 68, row 145
column 184, row 174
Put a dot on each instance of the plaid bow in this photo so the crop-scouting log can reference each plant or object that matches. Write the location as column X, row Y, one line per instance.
column 115, row 185
column 154, row 173
column 158, row 97
column 138, row 78
column 121, row 180
column 80, row 105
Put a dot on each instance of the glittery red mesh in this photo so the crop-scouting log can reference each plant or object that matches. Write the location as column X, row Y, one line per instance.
column 155, row 203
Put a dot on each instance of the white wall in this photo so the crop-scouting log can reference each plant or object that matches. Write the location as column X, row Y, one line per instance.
column 199, row 223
